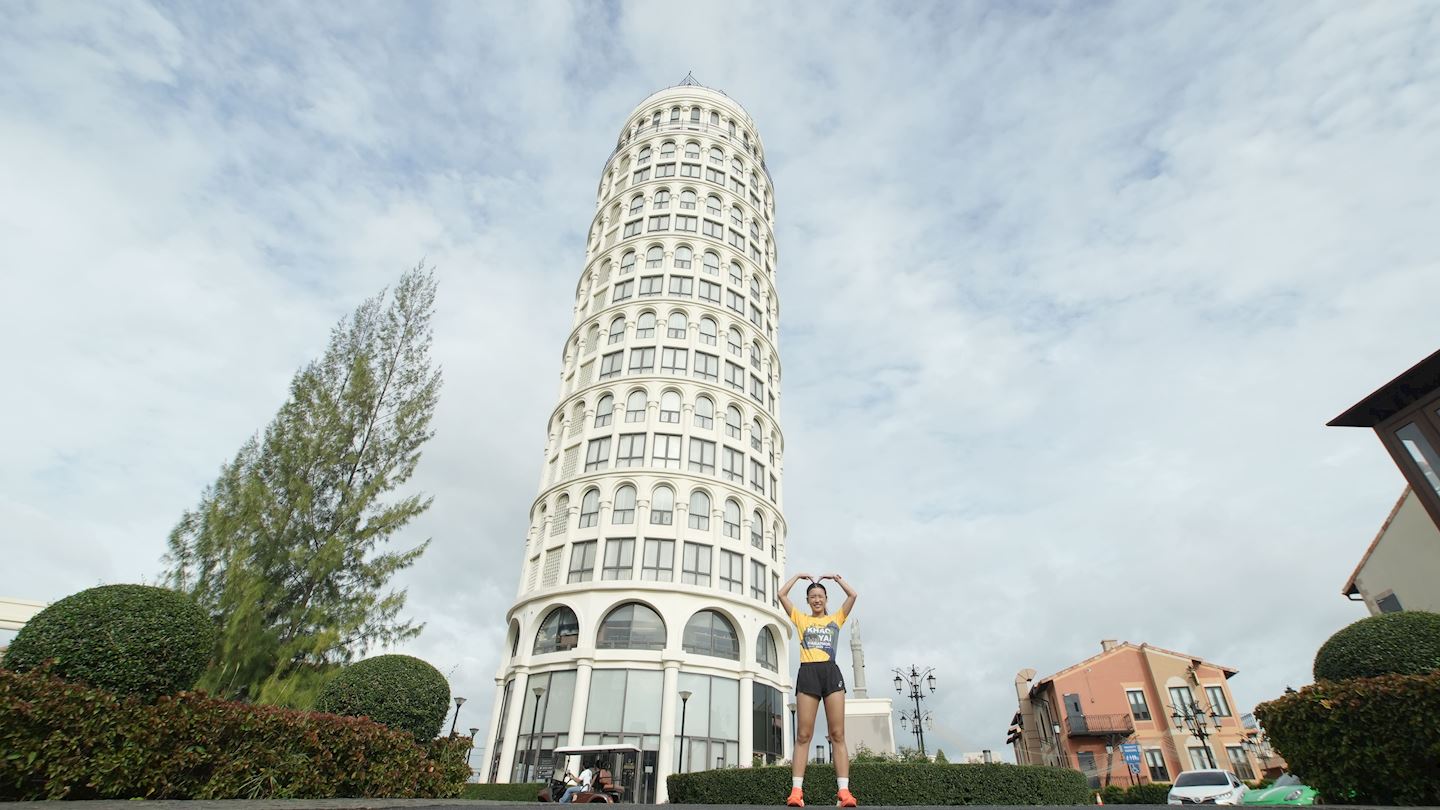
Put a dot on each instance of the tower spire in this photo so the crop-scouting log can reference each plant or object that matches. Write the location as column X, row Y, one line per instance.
column 690, row 80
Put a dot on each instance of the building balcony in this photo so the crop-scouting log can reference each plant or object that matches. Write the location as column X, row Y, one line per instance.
column 1099, row 725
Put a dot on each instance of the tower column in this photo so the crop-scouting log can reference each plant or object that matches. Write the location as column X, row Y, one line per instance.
column 512, row 724
column 669, row 696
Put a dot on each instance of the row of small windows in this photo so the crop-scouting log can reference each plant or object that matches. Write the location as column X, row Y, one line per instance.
column 683, row 258
column 695, row 117
column 714, row 174
column 658, row 565
column 635, row 409
column 677, row 327
column 734, row 236
column 677, row 362
column 688, row 201
column 662, row 513
column 636, row 626
column 629, row 450
column 682, row 286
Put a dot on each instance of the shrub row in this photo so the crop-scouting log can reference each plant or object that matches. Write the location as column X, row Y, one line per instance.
column 503, row 792
column 1404, row 643
column 1362, row 741
column 1148, row 793
column 876, row 783
column 61, row 740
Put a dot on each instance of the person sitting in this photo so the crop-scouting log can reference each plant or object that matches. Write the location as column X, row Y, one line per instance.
column 586, row 777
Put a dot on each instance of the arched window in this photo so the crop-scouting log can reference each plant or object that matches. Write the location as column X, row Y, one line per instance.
column 767, row 652
column 699, row 511
column 627, row 262
column 754, row 180
column 709, row 331
column 655, row 256
column 678, row 326
column 692, row 149
column 755, row 286
column 755, row 353
column 732, row 422
column 712, row 205
column 757, row 529
column 715, row 118
column 645, row 325
column 712, row 264
column 732, row 519
column 735, row 341
column 661, row 201
column 683, row 257
column 674, row 116
column 592, row 338
column 637, row 204
column 631, row 626
column 695, row 115
column 617, row 329
column 562, row 515
column 604, row 409
column 709, row 633
column 737, row 276
column 514, row 639
column 757, row 434
column 662, row 506
column 590, row 508
column 643, row 157
column 736, row 165
column 737, row 217
column 624, row 511
column 687, row 200
column 670, row 407
column 655, row 119
column 559, row 631
column 635, row 407
column 717, row 156
column 704, row 412
column 604, row 273
column 667, row 150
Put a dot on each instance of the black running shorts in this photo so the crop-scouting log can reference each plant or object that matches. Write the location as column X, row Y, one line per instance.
column 821, row 679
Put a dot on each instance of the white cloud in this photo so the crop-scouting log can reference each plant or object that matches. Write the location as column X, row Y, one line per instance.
column 1067, row 294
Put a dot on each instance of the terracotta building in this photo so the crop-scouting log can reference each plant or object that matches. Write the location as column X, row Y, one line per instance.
column 1080, row 716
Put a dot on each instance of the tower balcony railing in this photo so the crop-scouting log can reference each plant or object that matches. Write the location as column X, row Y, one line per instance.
column 1099, row 725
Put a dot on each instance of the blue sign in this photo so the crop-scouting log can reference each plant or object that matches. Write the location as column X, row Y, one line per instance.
column 1131, row 751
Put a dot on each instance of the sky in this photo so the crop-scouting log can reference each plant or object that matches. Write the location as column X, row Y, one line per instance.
column 1068, row 293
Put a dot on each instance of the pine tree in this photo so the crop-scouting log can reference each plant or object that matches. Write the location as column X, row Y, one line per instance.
column 286, row 548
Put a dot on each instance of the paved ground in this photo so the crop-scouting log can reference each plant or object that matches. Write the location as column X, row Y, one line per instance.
column 427, row 804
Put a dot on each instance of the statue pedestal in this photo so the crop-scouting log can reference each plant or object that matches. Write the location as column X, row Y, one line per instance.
column 869, row 722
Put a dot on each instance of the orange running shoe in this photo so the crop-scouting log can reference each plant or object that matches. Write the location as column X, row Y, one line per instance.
column 845, row 799
column 797, row 798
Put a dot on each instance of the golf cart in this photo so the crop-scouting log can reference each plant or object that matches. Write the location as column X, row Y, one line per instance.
column 616, row 768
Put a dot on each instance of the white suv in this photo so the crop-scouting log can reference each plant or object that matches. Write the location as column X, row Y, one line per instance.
column 1209, row 786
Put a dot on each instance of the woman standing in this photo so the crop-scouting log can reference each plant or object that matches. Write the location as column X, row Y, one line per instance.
column 819, row 680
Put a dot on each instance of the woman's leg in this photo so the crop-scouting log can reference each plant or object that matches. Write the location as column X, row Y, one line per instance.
column 835, row 719
column 807, row 706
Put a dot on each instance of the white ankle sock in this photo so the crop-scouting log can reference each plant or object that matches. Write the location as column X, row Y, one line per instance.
column 844, row 782
column 797, row 782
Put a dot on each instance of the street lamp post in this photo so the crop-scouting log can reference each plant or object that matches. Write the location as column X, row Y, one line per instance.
column 684, row 704
column 535, row 744
column 1197, row 722
column 473, row 732
column 792, row 729
column 915, row 679
column 459, row 701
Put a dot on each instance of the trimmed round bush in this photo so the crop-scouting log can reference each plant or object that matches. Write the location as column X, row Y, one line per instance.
column 126, row 639
column 1404, row 643
column 399, row 691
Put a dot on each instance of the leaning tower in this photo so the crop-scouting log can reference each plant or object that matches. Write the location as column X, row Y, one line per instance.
column 648, row 594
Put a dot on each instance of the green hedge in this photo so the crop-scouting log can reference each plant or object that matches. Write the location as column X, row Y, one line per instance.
column 888, row 784
column 1364, row 740
column 1149, row 793
column 129, row 639
column 1404, row 643
column 400, row 691
column 65, row 740
column 504, row 792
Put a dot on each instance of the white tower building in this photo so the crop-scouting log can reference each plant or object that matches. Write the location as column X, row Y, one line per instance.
column 657, row 539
